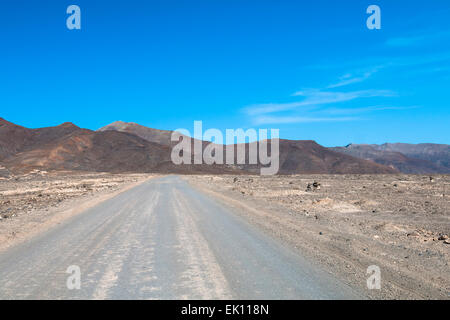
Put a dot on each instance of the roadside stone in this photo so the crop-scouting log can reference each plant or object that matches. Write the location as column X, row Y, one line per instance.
column 443, row 237
column 413, row 234
column 313, row 186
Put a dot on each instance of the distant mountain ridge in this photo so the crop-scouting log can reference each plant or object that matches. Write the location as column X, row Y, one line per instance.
column 68, row 147
column 301, row 156
column 425, row 158
column 149, row 134
column 14, row 138
column 295, row 156
column 130, row 147
column 436, row 153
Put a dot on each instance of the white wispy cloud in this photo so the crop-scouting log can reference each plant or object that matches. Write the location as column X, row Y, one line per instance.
column 354, row 111
column 351, row 78
column 315, row 97
column 322, row 104
column 326, row 115
column 319, row 104
column 261, row 120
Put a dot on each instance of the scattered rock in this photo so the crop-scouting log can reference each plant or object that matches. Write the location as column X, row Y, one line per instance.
column 443, row 237
column 313, row 186
column 413, row 234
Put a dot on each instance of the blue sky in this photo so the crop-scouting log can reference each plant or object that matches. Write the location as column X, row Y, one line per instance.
column 310, row 68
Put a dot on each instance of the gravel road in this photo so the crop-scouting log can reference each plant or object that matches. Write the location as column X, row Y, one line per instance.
column 162, row 240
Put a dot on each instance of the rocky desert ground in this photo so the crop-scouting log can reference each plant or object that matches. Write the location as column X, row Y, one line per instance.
column 400, row 223
column 33, row 202
column 346, row 223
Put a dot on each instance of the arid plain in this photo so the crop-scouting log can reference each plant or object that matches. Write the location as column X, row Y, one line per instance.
column 345, row 223
column 400, row 223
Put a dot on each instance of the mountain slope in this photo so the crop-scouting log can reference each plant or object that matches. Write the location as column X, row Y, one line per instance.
column 120, row 147
column 149, row 134
column 393, row 159
column 295, row 156
column 310, row 157
column 68, row 147
column 92, row 151
column 14, row 138
column 439, row 154
column 425, row 159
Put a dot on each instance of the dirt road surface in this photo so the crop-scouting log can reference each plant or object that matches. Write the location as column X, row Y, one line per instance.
column 162, row 240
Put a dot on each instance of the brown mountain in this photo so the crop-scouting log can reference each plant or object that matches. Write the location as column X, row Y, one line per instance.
column 149, row 134
column 389, row 155
column 14, row 138
column 68, row 147
column 439, row 154
column 122, row 148
column 295, row 156
column 310, row 157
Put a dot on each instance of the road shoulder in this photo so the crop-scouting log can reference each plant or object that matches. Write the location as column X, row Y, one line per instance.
column 28, row 224
column 331, row 248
